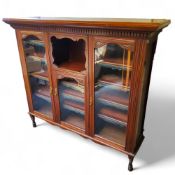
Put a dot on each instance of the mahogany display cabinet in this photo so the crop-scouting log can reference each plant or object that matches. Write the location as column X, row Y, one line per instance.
column 90, row 76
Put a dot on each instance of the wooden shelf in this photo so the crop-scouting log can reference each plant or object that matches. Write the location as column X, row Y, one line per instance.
column 113, row 79
column 36, row 43
column 114, row 114
column 46, row 98
column 117, row 62
column 75, row 120
column 41, row 75
column 43, row 91
column 115, row 99
column 113, row 133
column 73, row 65
column 74, row 93
column 75, row 107
column 115, row 84
column 46, row 110
column 74, row 86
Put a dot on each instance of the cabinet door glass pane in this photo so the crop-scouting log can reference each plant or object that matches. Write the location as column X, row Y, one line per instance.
column 113, row 66
column 34, row 50
column 71, row 97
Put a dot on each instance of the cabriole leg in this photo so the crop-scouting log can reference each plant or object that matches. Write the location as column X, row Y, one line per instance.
column 130, row 166
column 33, row 120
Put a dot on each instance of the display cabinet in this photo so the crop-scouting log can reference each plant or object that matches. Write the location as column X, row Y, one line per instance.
column 90, row 76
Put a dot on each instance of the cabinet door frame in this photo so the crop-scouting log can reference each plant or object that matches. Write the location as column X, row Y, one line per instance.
column 42, row 36
column 139, row 60
column 60, row 74
column 93, row 42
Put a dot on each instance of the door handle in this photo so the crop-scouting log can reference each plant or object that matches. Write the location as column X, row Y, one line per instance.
column 55, row 92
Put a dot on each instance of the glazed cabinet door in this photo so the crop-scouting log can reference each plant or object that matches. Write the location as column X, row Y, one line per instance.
column 35, row 65
column 70, row 101
column 69, row 55
column 111, row 79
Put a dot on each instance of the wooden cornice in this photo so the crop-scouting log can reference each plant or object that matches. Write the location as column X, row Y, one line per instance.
column 135, row 28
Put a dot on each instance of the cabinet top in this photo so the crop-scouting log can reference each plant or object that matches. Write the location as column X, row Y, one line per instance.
column 116, row 23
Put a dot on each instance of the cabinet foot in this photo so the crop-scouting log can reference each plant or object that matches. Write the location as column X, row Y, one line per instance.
column 33, row 120
column 130, row 166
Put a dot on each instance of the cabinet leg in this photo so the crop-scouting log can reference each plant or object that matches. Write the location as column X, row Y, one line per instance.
column 130, row 166
column 33, row 120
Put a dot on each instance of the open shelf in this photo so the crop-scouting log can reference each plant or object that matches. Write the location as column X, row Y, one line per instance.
column 68, row 54
column 73, row 65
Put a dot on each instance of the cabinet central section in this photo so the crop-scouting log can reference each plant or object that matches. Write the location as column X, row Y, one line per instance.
column 69, row 53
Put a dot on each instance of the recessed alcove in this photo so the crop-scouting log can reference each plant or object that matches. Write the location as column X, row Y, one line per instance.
column 68, row 54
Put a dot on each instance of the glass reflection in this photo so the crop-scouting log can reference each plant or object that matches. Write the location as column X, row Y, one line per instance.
column 71, row 97
column 113, row 66
column 34, row 50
